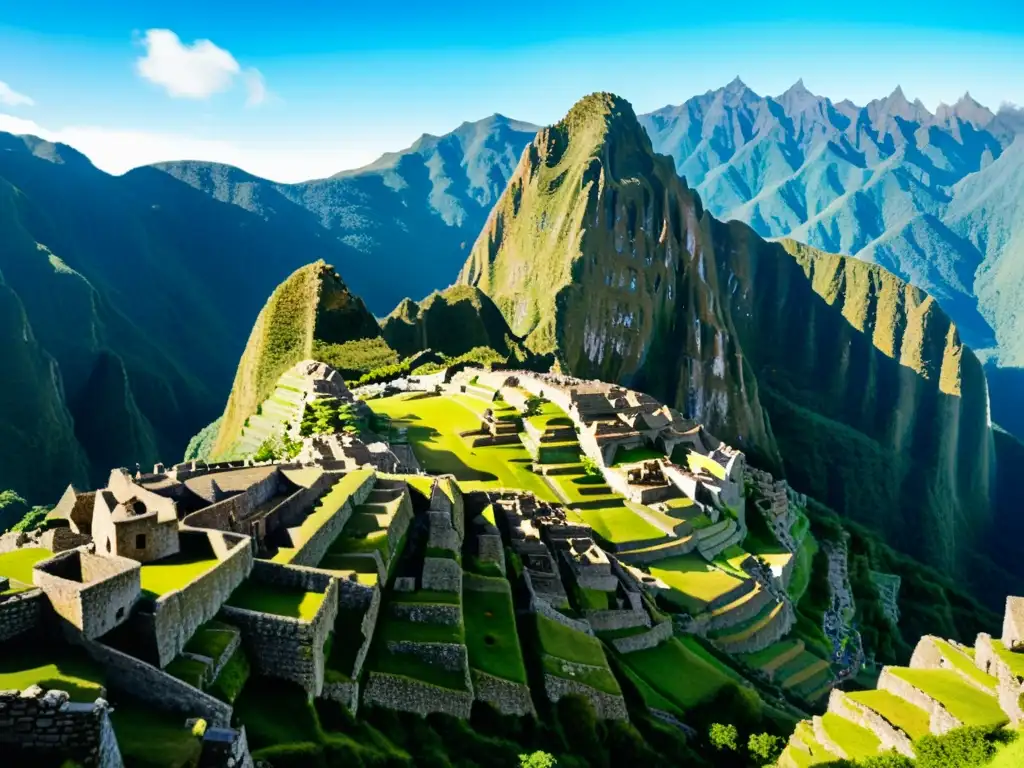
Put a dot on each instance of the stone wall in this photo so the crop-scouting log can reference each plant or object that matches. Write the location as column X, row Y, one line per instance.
column 940, row 720
column 144, row 681
column 312, row 551
column 442, row 574
column 284, row 647
column 542, row 607
column 606, row 705
column 890, row 736
column 505, row 696
column 1010, row 688
column 748, row 610
column 776, row 629
column 20, row 613
column 92, row 593
column 229, row 514
column 426, row 613
column 408, row 695
column 603, row 621
column 345, row 693
column 178, row 614
column 46, row 725
column 656, row 635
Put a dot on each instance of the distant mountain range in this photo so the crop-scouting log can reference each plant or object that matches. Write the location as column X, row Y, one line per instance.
column 937, row 199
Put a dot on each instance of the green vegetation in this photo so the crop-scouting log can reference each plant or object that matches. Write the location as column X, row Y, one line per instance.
column 328, row 415
column 191, row 671
column 153, row 739
column 693, row 580
column 964, row 701
column 27, row 662
column 634, row 455
column 174, row 572
column 355, row 358
column 911, row 719
column 17, row 566
column 491, row 637
column 853, row 739
column 211, row 639
column 271, row 598
column 693, row 681
column 965, row 665
column 232, row 677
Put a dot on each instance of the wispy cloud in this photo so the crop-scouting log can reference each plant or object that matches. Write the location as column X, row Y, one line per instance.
column 11, row 98
column 197, row 70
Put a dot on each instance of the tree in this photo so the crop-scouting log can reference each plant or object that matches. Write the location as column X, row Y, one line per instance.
column 533, row 405
column 960, row 748
column 764, row 747
column 723, row 736
column 590, row 467
column 891, row 759
column 537, row 760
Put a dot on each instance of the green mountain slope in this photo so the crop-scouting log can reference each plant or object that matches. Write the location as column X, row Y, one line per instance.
column 313, row 306
column 452, row 322
column 855, row 381
column 419, row 209
column 156, row 286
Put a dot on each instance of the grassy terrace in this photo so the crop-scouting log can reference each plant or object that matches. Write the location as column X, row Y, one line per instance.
column 17, row 566
column 62, row 667
column 279, row 601
column 549, row 415
column 329, row 505
column 150, row 738
column 561, row 644
column 434, row 424
column 774, row 656
column 1015, row 661
column 491, row 637
column 606, row 511
column 693, row 580
column 856, row 741
column 963, row 700
column 698, row 461
column 211, row 639
column 171, row 573
column 406, row 664
column 965, row 665
column 634, row 455
column 692, row 681
column 912, row 720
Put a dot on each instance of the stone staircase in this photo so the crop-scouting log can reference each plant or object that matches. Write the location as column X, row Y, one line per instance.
column 284, row 406
column 946, row 686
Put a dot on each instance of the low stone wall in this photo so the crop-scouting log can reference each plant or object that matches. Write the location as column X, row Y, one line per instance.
column 46, row 725
column 20, row 613
column 505, row 696
column 541, row 607
column 144, row 681
column 450, row 656
column 442, row 574
column 230, row 514
column 732, row 595
column 441, row 534
column 682, row 546
column 177, row 615
column 890, row 736
column 603, row 621
column 345, row 693
column 427, row 613
column 748, row 610
column 312, row 551
column 771, row 633
column 408, row 695
column 606, row 705
column 656, row 635
column 489, row 549
column 284, row 647
column 1010, row 688
column 940, row 720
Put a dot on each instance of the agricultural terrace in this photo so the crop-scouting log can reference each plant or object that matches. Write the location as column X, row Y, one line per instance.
column 911, row 719
column 434, row 424
column 63, row 667
column 571, row 654
column 491, row 637
column 391, row 629
column 174, row 572
column 17, row 566
column 965, row 702
column 281, row 601
column 693, row 680
column 855, row 740
column 694, row 582
column 150, row 738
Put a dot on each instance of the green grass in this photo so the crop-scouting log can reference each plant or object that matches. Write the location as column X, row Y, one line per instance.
column 694, row 646
column 698, row 461
column 676, row 673
column 759, row 659
column 651, row 697
column 566, row 643
column 491, row 636
column 188, row 670
column 634, row 455
column 329, row 505
column 279, row 601
column 211, row 640
column 600, row 678
column 1010, row 755
column 549, row 415
column 693, row 580
column 1015, row 661
column 151, row 738
column 434, row 424
column 17, row 566
column 61, row 667
column 856, row 741
column 965, row 665
column 909, row 718
column 964, row 701
column 172, row 573
column 276, row 712
column 801, row 576
column 232, row 678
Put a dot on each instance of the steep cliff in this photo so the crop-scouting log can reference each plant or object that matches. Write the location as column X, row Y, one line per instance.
column 854, row 381
column 312, row 305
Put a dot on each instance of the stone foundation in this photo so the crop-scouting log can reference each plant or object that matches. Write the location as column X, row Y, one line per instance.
column 345, row 693
column 427, row 613
column 442, row 574
column 505, row 696
column 606, row 705
column 20, row 613
column 46, row 725
column 408, row 695
column 655, row 636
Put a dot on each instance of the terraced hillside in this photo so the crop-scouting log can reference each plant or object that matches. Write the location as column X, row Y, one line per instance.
column 946, row 686
column 599, row 254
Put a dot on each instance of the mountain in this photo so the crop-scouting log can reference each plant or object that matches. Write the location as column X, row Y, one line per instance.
column 451, row 322
column 933, row 198
column 312, row 307
column 852, row 380
column 417, row 209
column 124, row 302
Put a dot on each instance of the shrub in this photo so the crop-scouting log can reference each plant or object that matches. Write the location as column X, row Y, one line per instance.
column 764, row 747
column 961, row 748
column 533, row 405
column 723, row 736
column 327, row 416
column 591, row 467
column 537, row 760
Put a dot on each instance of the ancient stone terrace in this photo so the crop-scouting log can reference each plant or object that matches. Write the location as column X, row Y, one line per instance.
column 946, row 686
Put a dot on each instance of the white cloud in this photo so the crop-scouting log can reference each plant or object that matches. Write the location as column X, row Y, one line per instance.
column 255, row 86
column 11, row 98
column 195, row 71
column 117, row 150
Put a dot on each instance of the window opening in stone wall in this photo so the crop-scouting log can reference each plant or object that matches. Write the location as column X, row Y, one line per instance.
column 140, row 541
column 120, row 613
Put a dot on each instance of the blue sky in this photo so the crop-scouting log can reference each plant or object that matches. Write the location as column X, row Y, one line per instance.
column 304, row 89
